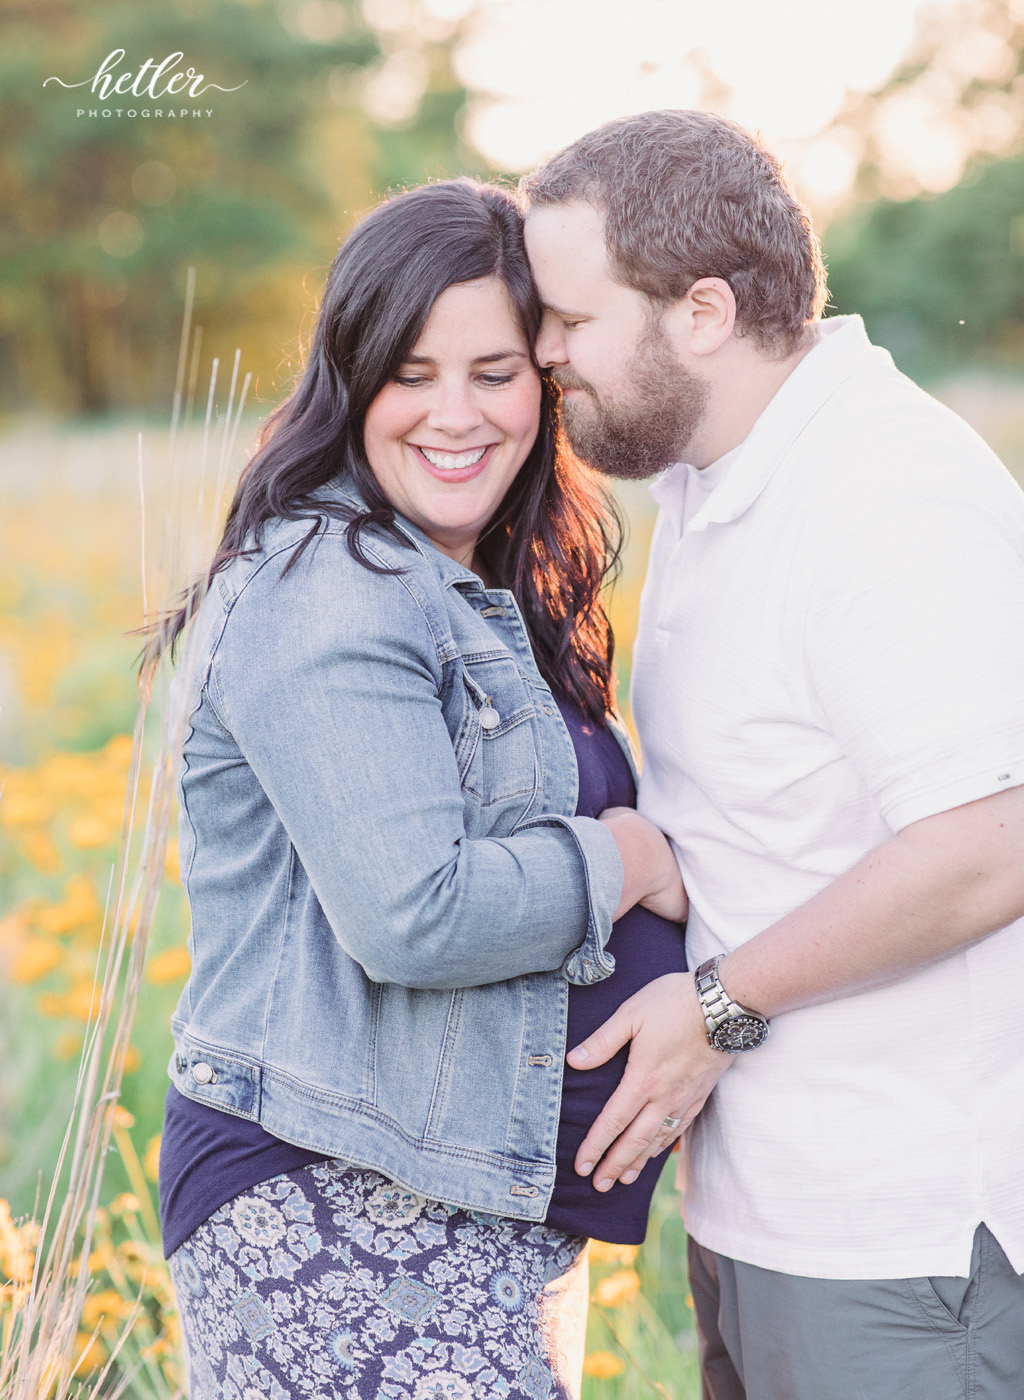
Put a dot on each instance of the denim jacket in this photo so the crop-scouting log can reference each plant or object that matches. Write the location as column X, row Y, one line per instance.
column 387, row 885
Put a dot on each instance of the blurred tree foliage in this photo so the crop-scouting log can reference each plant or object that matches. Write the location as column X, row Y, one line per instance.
column 938, row 280
column 101, row 216
column 939, row 277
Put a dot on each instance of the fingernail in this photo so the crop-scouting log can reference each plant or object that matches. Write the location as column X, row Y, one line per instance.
column 629, row 1177
column 605, row 1184
column 585, row 1169
column 581, row 1052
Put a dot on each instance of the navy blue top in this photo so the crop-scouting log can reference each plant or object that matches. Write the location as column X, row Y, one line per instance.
column 207, row 1157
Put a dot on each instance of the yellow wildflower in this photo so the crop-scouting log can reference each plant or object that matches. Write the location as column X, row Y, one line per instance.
column 151, row 1158
column 82, row 1001
column 50, row 1004
column 93, row 1353
column 118, row 751
column 618, row 1288
column 21, row 806
column 79, row 907
column 13, row 928
column 16, row 1245
column 87, row 832
column 602, row 1365
column 67, row 1045
column 601, row 1253
column 41, row 849
column 171, row 867
column 107, row 1305
column 172, row 965
column 34, row 959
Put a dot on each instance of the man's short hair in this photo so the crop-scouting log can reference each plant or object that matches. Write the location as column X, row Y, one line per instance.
column 688, row 195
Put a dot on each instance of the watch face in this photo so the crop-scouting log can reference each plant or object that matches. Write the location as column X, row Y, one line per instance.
column 740, row 1033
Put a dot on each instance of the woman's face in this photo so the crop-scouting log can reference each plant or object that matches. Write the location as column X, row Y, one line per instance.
column 446, row 437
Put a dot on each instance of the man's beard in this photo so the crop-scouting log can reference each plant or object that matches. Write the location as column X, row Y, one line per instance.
column 638, row 437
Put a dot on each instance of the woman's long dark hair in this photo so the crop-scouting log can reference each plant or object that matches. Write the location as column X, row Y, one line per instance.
column 556, row 536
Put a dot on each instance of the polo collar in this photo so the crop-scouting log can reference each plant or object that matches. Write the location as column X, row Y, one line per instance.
column 843, row 350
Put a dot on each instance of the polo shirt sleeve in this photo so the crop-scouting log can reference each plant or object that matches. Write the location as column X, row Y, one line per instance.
column 915, row 636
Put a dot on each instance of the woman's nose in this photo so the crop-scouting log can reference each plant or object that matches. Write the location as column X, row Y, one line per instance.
column 455, row 410
column 550, row 349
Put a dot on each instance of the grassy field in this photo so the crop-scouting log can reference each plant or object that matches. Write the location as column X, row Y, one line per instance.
column 70, row 593
column 71, row 589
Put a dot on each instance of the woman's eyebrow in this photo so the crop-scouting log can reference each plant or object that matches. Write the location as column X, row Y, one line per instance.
column 501, row 355
column 487, row 359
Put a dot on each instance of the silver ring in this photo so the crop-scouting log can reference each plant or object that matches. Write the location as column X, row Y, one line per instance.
column 671, row 1122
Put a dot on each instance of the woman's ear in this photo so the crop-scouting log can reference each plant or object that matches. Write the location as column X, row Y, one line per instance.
column 700, row 322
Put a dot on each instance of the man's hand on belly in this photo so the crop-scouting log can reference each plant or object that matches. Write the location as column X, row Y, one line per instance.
column 671, row 1071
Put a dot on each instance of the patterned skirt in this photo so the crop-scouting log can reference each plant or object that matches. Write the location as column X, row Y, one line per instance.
column 332, row 1283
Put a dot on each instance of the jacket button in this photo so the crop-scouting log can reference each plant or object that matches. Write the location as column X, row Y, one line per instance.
column 180, row 1063
column 203, row 1073
column 489, row 718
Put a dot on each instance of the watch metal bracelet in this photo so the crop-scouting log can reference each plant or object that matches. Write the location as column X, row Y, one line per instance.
column 730, row 1026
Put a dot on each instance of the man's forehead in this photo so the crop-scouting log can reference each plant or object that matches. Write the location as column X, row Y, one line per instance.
column 566, row 242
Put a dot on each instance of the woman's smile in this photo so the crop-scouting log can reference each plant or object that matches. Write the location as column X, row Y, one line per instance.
column 455, row 466
column 446, row 437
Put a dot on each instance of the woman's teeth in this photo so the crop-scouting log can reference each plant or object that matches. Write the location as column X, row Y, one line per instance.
column 453, row 461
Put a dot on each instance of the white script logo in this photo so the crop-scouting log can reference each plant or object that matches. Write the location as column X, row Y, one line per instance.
column 147, row 81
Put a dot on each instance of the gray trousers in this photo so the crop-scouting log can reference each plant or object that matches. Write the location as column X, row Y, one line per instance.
column 771, row 1336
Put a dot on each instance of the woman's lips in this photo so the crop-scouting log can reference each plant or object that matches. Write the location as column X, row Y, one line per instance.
column 466, row 473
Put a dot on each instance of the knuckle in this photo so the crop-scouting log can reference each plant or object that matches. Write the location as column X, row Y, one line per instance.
column 616, row 1124
column 648, row 1083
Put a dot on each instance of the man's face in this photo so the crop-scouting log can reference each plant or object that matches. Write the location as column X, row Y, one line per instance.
column 629, row 406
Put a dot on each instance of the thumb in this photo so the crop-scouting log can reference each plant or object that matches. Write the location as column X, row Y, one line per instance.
column 606, row 1041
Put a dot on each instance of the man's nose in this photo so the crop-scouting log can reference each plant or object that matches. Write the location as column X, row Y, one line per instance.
column 550, row 349
column 455, row 410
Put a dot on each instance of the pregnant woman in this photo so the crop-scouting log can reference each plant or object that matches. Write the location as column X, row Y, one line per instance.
column 399, row 744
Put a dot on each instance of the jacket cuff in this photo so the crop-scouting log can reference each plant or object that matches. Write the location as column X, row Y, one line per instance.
column 604, row 877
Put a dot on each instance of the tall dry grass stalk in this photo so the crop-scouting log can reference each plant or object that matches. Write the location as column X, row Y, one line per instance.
column 40, row 1348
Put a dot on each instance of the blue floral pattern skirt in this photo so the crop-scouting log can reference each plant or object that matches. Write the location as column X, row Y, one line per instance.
column 331, row 1282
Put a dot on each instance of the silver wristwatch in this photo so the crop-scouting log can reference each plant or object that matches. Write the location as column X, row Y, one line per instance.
column 731, row 1027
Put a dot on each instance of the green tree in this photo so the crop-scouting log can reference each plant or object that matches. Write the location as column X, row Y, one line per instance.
column 939, row 280
column 101, row 216
column 939, row 277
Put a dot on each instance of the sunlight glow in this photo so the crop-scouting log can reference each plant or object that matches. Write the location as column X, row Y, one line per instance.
column 545, row 71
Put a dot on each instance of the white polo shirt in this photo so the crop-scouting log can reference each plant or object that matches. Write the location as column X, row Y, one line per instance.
column 830, row 648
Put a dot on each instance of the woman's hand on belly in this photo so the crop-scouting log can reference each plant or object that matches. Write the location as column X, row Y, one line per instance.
column 651, row 873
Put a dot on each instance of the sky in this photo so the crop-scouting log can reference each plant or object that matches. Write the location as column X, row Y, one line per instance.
column 545, row 71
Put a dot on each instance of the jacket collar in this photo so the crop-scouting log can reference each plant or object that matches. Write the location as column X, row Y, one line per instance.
column 448, row 570
column 843, row 349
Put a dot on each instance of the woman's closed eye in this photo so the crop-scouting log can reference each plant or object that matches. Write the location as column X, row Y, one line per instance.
column 491, row 379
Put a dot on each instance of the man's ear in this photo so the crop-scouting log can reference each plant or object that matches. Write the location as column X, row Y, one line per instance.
column 703, row 320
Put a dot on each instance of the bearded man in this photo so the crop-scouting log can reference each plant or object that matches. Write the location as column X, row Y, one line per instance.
column 829, row 689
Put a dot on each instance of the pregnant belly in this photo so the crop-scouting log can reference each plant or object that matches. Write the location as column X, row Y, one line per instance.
column 645, row 947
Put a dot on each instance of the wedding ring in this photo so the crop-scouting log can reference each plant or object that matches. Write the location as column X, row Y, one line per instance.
column 671, row 1122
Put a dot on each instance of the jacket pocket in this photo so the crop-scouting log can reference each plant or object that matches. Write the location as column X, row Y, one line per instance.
column 498, row 763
